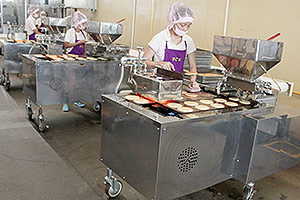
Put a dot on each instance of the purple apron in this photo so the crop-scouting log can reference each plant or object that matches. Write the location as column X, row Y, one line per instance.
column 80, row 48
column 176, row 57
column 32, row 36
column 42, row 26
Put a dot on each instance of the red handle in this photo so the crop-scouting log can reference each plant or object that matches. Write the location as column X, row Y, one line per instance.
column 121, row 20
column 273, row 37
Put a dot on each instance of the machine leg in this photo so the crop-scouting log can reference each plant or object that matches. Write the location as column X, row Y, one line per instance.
column 248, row 191
column 41, row 121
column 113, row 187
column 97, row 106
column 29, row 111
column 2, row 77
column 7, row 83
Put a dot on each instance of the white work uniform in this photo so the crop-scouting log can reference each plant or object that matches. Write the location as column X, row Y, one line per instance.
column 70, row 37
column 39, row 22
column 158, row 44
column 30, row 25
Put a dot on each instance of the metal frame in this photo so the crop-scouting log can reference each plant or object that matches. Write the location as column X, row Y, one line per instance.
column 168, row 157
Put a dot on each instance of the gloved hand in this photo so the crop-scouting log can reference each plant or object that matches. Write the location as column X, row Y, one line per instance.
column 194, row 87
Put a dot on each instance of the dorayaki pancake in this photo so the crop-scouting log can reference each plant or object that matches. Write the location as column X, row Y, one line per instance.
column 202, row 107
column 131, row 97
column 220, row 100
column 210, row 75
column 174, row 105
column 217, row 105
column 141, row 101
column 191, row 95
column 190, row 103
column 206, row 101
column 190, row 73
column 91, row 58
column 185, row 109
column 231, row 104
column 234, row 99
column 244, row 102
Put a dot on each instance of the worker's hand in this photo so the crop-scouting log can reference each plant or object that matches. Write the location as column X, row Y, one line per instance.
column 167, row 66
column 194, row 85
column 81, row 42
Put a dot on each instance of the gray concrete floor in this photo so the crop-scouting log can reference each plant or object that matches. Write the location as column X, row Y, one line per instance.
column 75, row 136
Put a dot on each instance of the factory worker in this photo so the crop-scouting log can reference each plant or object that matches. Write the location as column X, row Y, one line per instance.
column 76, row 37
column 171, row 46
column 30, row 26
column 40, row 23
column 75, row 40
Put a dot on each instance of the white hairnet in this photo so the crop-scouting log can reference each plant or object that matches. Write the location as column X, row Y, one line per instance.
column 33, row 9
column 43, row 12
column 79, row 18
column 180, row 13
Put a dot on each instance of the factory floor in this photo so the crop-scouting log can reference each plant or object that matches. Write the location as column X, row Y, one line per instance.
column 75, row 136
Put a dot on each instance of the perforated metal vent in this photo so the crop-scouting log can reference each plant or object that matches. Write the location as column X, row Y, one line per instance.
column 104, row 80
column 187, row 159
column 56, row 83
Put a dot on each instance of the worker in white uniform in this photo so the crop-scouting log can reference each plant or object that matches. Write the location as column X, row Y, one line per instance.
column 30, row 24
column 40, row 23
column 171, row 46
column 75, row 40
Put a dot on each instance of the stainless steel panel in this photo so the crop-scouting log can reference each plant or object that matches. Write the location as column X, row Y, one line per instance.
column 88, row 4
column 195, row 156
column 158, row 89
column 191, row 154
column 69, row 81
column 267, row 145
column 109, row 32
column 129, row 146
column 243, row 57
column 277, row 146
column 13, row 55
column 59, row 22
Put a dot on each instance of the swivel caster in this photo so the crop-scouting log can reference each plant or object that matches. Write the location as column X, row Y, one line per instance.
column 29, row 111
column 42, row 126
column 7, row 85
column 248, row 191
column 113, row 187
column 97, row 106
column 2, row 79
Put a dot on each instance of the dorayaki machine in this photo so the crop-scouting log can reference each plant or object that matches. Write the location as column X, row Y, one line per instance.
column 16, row 44
column 63, row 79
column 166, row 152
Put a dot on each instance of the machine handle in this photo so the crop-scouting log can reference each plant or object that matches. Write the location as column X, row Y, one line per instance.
column 274, row 36
column 121, row 20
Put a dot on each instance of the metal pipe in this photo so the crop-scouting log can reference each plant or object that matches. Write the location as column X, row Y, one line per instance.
column 121, row 79
column 226, row 17
column 133, row 24
column 151, row 19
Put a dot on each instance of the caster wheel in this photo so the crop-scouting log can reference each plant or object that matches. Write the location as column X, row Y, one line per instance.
column 113, row 193
column 29, row 112
column 42, row 126
column 97, row 107
column 7, row 86
column 2, row 80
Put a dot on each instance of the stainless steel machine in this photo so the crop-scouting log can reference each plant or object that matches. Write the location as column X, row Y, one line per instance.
column 12, row 59
column 14, row 15
column 165, row 152
column 63, row 79
column 104, row 35
column 50, row 82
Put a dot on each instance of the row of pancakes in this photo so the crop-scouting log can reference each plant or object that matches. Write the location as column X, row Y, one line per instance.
column 204, row 104
column 69, row 57
column 216, row 103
